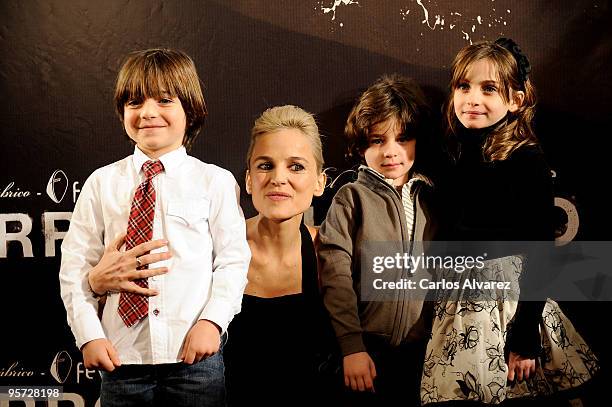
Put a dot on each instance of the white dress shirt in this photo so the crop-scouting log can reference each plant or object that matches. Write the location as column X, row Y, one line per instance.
column 197, row 211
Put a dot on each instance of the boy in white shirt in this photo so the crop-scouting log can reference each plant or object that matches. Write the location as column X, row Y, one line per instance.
column 160, row 350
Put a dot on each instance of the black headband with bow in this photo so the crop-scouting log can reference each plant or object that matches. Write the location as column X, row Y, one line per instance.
column 524, row 67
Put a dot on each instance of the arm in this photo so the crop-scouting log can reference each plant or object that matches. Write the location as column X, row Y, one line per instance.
column 82, row 248
column 231, row 253
column 534, row 188
column 231, row 256
column 335, row 255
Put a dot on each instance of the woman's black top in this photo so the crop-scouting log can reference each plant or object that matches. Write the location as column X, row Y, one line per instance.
column 277, row 346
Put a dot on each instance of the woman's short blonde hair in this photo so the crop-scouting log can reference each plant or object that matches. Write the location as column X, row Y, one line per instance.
column 287, row 117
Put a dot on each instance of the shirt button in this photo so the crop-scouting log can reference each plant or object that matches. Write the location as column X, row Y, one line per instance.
column 156, row 312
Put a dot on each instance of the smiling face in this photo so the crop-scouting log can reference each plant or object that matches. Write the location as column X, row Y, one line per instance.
column 283, row 176
column 390, row 151
column 156, row 125
column 477, row 100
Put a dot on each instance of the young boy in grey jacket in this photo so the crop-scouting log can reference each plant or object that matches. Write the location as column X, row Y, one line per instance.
column 382, row 341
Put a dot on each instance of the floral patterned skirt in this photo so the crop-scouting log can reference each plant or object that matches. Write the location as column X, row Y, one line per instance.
column 465, row 355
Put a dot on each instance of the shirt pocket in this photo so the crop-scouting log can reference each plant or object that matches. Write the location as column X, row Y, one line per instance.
column 187, row 229
column 190, row 212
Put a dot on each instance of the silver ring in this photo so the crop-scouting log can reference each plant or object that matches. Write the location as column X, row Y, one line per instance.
column 138, row 262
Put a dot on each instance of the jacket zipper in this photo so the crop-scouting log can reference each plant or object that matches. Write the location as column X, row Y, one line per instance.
column 411, row 246
column 401, row 210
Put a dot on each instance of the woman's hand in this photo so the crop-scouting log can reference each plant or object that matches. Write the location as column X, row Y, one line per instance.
column 117, row 270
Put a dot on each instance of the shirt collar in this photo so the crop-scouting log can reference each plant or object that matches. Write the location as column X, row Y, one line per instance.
column 407, row 186
column 387, row 180
column 171, row 160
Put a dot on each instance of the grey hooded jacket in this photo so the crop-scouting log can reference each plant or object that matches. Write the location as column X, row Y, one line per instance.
column 366, row 211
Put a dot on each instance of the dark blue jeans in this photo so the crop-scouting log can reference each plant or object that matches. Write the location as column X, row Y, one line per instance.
column 172, row 384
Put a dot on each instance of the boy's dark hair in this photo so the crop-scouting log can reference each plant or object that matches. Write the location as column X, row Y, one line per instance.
column 390, row 96
column 157, row 72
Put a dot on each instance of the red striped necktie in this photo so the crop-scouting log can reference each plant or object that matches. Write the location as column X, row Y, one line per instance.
column 134, row 307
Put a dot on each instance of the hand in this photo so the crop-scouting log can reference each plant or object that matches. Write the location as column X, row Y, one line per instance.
column 359, row 371
column 116, row 270
column 202, row 341
column 520, row 366
column 100, row 354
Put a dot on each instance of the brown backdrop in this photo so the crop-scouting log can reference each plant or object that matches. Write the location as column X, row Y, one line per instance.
column 60, row 58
